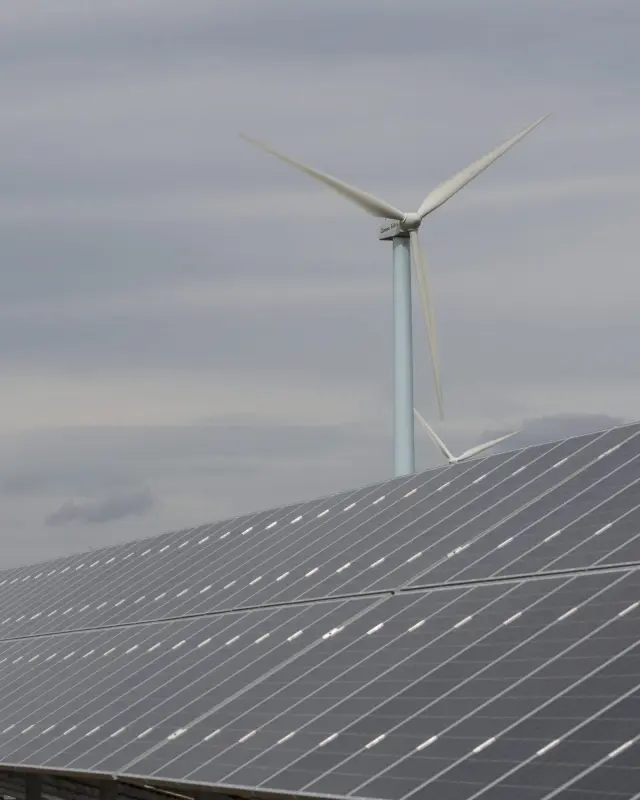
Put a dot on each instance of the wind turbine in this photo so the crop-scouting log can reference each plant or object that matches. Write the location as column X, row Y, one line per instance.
column 402, row 230
column 472, row 451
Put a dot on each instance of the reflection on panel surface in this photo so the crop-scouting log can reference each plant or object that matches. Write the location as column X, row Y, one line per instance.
column 504, row 514
column 141, row 682
column 381, row 697
column 470, row 631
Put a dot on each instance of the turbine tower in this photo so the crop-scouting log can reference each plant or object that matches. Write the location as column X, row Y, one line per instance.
column 402, row 229
column 472, row 451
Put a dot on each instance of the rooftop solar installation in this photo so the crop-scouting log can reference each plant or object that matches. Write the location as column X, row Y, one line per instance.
column 469, row 631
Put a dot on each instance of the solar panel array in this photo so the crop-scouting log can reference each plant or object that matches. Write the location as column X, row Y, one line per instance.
column 471, row 631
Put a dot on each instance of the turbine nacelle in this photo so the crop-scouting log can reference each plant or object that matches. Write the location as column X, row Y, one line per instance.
column 393, row 228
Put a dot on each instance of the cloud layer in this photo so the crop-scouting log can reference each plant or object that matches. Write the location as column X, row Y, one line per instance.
column 106, row 509
column 183, row 313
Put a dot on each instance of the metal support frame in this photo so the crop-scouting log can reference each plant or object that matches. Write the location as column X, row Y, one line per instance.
column 108, row 790
column 32, row 786
column 403, row 422
column 36, row 784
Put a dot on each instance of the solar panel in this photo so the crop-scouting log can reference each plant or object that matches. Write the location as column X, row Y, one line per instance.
column 193, row 571
column 377, row 538
column 471, row 631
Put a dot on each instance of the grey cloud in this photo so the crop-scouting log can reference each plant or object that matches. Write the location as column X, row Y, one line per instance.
column 217, row 343
column 223, row 437
column 287, row 31
column 88, row 460
column 23, row 485
column 51, row 478
column 156, row 272
column 200, row 473
column 106, row 509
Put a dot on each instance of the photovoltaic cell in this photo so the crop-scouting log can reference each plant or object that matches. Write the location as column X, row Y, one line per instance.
column 463, row 665
column 470, row 631
column 196, row 571
column 378, row 538
column 531, row 536
column 452, row 700
column 118, row 683
column 215, row 569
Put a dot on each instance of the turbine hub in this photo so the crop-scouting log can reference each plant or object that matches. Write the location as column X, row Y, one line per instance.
column 411, row 221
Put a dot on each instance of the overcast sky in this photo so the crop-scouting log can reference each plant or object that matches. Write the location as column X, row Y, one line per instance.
column 191, row 330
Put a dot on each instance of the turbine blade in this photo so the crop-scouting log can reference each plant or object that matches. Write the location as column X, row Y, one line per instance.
column 426, row 301
column 473, row 451
column 434, row 436
column 446, row 190
column 369, row 203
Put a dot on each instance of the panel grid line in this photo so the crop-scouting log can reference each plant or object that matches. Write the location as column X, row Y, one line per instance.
column 231, row 656
column 535, row 500
column 458, row 654
column 577, row 519
column 587, row 771
column 470, row 631
column 571, row 731
column 347, row 645
column 515, row 724
column 296, row 655
column 524, row 678
column 464, row 488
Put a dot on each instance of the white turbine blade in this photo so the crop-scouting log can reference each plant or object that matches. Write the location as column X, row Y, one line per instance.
column 446, row 190
column 473, row 451
column 434, row 436
column 366, row 201
column 422, row 277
